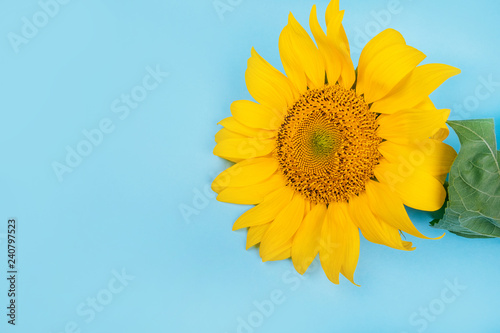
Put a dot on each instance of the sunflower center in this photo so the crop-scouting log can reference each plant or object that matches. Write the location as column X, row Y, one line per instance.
column 327, row 144
column 323, row 142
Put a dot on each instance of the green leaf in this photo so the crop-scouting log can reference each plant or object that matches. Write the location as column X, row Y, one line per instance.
column 473, row 208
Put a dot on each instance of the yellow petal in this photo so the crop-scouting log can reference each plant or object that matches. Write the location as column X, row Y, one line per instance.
column 252, row 194
column 285, row 252
column 235, row 130
column 300, row 57
column 443, row 131
column 425, row 104
column 225, row 134
column 441, row 134
column 372, row 228
column 332, row 9
column 350, row 241
column 441, row 178
column 386, row 69
column 416, row 188
column 255, row 233
column 282, row 229
column 308, row 206
column 331, row 251
column 377, row 44
column 415, row 88
column 307, row 239
column 267, row 85
column 336, row 34
column 339, row 250
column 387, row 206
column 233, row 125
column 431, row 156
column 267, row 210
column 255, row 115
column 406, row 126
column 244, row 173
column 328, row 50
column 244, row 148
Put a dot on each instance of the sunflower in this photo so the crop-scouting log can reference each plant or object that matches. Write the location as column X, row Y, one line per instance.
column 328, row 151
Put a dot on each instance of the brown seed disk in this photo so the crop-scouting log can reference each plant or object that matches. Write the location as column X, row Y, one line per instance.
column 327, row 144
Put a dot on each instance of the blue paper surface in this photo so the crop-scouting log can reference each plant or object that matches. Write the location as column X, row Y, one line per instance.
column 109, row 111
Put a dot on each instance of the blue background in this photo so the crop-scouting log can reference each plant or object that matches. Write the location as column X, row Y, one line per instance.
column 119, row 210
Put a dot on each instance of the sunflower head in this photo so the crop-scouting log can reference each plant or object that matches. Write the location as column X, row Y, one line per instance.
column 327, row 151
column 327, row 144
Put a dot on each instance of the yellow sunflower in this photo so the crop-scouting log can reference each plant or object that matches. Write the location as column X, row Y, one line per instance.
column 327, row 151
